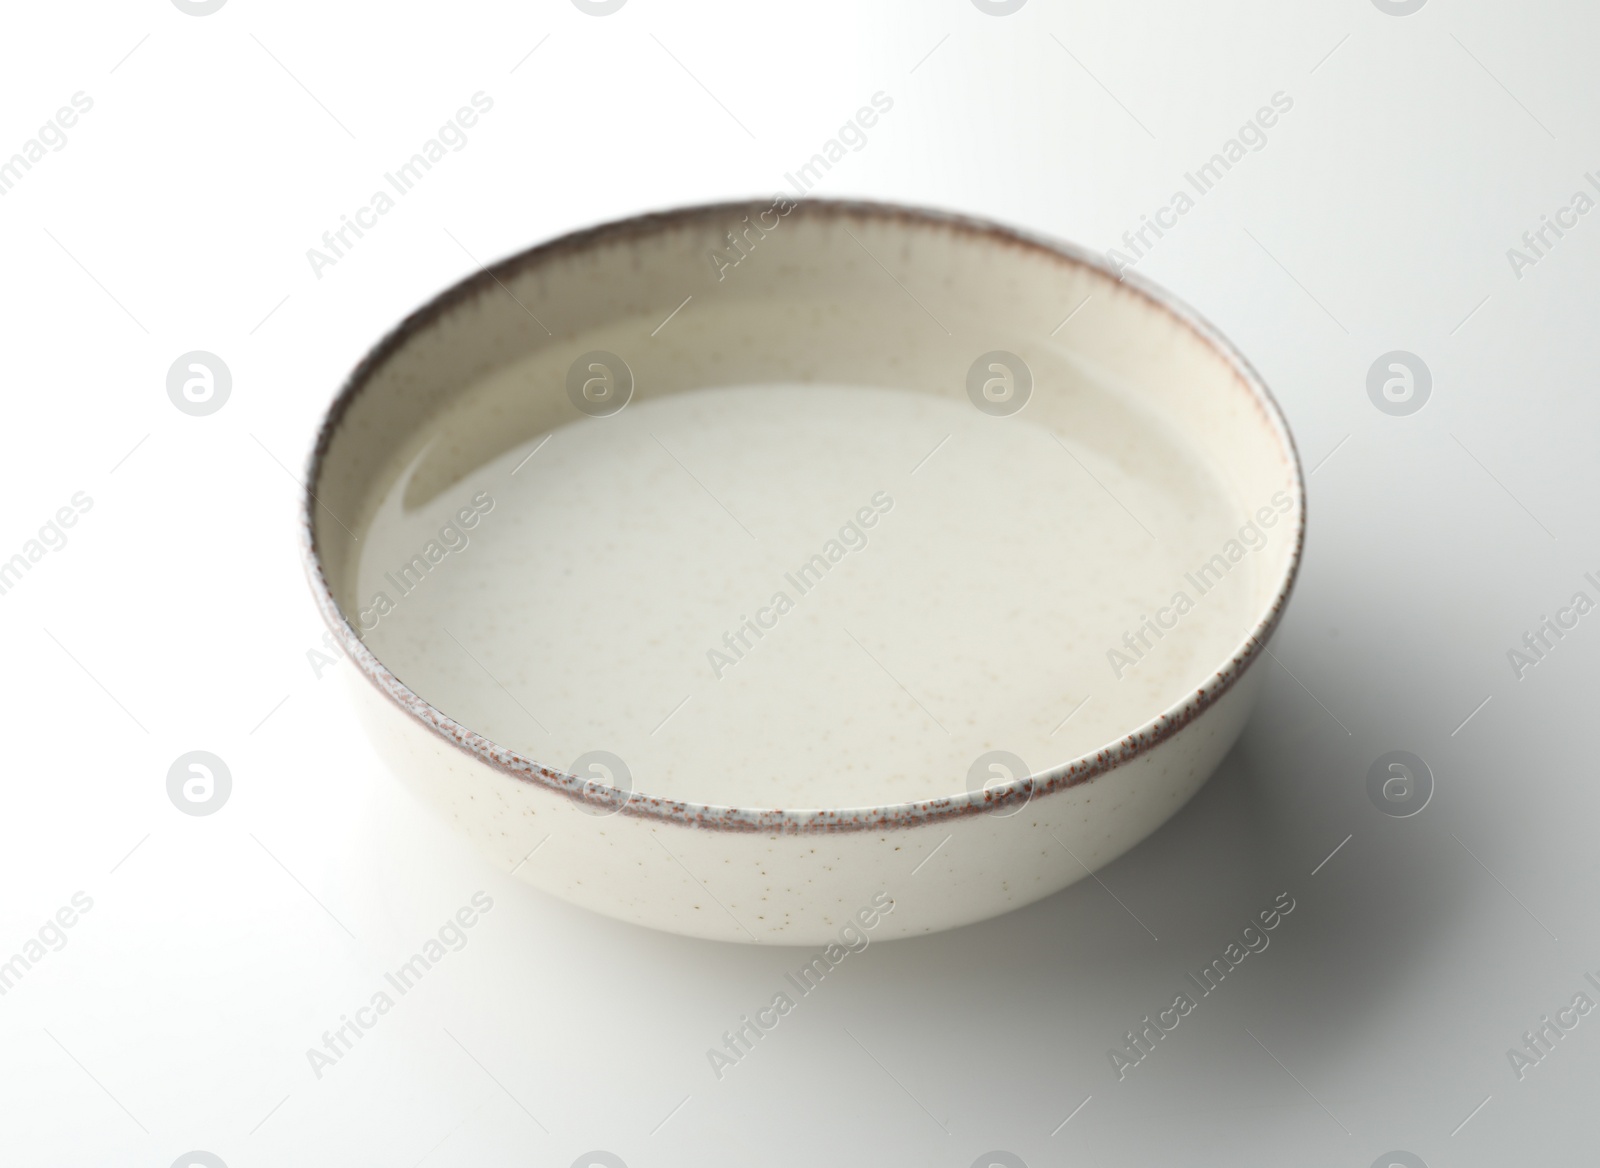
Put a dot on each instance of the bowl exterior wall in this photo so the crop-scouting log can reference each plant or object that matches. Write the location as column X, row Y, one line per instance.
column 795, row 888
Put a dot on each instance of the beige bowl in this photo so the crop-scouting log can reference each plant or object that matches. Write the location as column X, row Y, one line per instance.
column 551, row 516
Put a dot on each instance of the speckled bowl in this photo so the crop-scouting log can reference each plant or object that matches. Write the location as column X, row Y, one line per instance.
column 739, row 870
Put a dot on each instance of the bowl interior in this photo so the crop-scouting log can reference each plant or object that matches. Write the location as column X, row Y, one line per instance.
column 894, row 506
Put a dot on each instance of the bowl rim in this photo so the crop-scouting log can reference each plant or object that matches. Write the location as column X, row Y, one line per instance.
column 605, row 800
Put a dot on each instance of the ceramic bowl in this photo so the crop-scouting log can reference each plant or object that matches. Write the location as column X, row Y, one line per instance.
column 555, row 515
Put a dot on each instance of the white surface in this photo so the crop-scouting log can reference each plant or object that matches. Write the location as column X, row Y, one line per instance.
column 179, row 1011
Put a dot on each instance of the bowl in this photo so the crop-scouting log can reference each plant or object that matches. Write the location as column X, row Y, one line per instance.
column 798, row 572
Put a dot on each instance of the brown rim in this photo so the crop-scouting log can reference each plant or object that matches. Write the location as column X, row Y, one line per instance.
column 770, row 820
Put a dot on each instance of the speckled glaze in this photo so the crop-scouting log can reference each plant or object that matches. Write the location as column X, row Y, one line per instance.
column 768, row 874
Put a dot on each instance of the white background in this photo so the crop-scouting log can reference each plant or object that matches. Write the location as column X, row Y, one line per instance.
column 219, row 948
